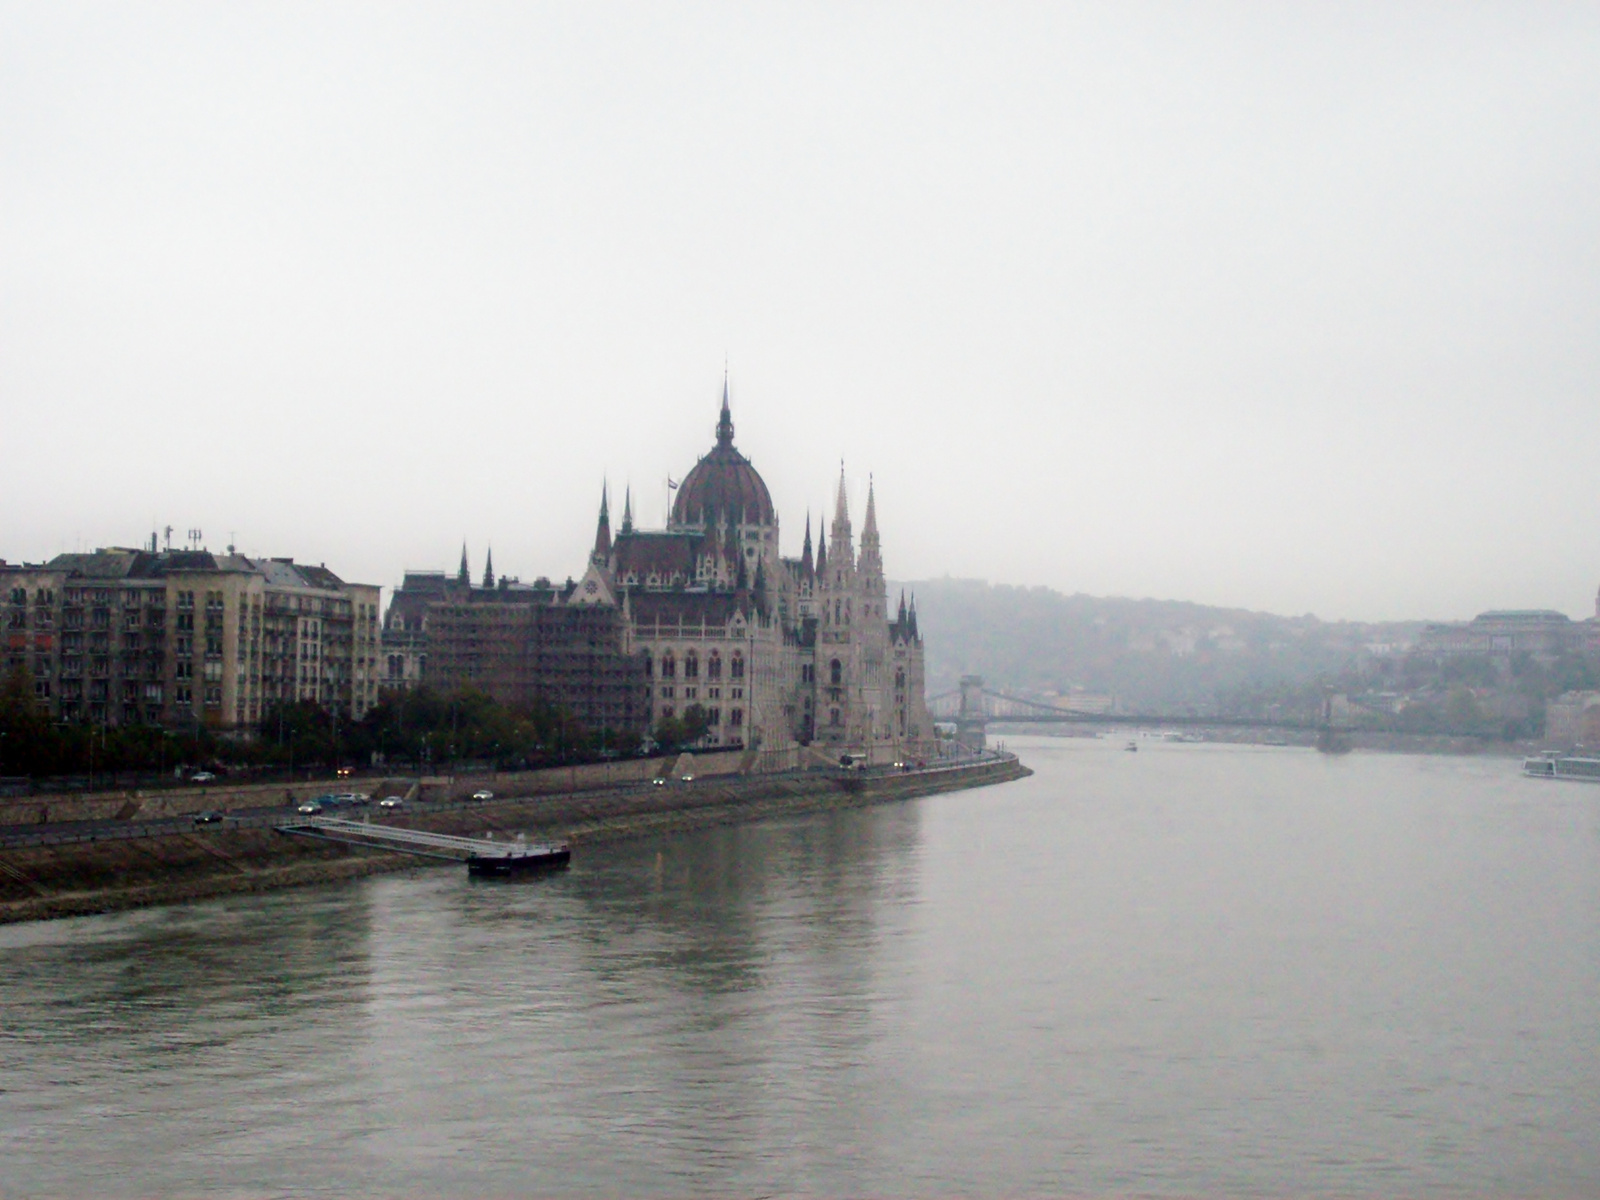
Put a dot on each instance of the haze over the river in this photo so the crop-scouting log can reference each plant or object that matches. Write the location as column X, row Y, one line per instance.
column 1285, row 307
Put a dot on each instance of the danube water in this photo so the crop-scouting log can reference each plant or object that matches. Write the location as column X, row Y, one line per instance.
column 1196, row 969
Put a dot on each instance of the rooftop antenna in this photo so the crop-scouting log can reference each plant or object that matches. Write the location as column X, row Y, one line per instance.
column 169, row 538
column 231, row 540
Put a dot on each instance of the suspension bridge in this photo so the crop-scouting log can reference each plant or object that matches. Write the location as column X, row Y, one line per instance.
column 973, row 707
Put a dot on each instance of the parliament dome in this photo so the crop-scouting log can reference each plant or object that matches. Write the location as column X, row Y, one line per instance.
column 723, row 485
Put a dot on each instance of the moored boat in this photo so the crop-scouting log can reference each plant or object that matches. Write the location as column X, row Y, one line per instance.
column 517, row 859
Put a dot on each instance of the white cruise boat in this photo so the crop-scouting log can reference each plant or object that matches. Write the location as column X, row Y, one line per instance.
column 1563, row 766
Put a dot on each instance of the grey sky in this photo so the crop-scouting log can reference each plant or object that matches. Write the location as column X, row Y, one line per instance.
column 1294, row 307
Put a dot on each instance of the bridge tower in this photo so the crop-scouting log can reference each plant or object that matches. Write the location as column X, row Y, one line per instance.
column 971, row 720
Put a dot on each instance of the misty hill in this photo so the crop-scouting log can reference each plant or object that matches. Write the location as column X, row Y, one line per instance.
column 1151, row 655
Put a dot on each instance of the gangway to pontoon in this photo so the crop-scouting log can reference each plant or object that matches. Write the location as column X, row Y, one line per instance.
column 483, row 856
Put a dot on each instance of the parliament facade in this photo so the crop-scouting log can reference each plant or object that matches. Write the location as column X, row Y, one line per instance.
column 780, row 652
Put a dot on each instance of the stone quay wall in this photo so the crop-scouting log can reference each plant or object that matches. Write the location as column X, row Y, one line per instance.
column 40, row 882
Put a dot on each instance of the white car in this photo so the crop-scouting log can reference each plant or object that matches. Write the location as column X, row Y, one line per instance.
column 310, row 808
column 483, row 794
column 391, row 802
column 202, row 777
column 687, row 778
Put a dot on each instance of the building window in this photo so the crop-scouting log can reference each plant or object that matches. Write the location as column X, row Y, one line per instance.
column 714, row 666
column 714, row 716
column 736, row 717
column 835, row 672
column 669, row 666
column 736, row 666
column 833, row 716
column 691, row 665
column 666, row 693
column 807, row 673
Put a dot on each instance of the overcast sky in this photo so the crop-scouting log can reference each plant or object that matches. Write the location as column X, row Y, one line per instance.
column 1293, row 307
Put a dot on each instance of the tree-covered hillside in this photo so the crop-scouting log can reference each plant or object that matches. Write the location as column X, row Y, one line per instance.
column 1151, row 655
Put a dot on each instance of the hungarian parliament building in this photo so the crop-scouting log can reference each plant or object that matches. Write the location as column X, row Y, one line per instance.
column 779, row 653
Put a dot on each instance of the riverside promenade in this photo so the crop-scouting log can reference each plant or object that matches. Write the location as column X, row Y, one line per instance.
column 99, row 864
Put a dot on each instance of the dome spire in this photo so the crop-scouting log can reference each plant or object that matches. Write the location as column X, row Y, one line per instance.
column 725, row 421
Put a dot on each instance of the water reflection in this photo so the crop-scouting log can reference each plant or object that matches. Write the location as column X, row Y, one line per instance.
column 1196, row 970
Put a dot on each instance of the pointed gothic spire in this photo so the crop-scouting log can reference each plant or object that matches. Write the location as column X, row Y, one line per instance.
column 871, row 563
column 913, row 615
column 901, row 619
column 844, row 556
column 822, row 554
column 488, row 568
column 807, row 565
column 725, row 421
column 464, row 575
column 602, row 533
column 627, row 510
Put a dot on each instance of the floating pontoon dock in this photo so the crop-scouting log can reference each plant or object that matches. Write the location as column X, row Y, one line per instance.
column 483, row 856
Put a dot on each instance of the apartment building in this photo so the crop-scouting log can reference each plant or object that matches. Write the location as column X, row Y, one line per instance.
column 122, row 637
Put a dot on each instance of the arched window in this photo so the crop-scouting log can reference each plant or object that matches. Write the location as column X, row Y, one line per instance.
column 835, row 673
column 691, row 665
column 900, row 681
column 833, row 716
column 736, row 667
column 669, row 665
column 714, row 666
column 648, row 668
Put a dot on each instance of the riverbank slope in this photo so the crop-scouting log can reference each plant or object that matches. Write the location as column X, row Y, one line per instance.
column 41, row 882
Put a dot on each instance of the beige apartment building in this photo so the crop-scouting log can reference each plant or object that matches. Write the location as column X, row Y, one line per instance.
column 123, row 637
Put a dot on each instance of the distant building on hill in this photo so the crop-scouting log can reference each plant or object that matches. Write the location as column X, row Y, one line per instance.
column 127, row 637
column 1541, row 633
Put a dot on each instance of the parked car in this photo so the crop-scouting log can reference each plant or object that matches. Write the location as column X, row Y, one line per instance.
column 483, row 794
column 202, row 777
column 391, row 802
column 310, row 808
column 210, row 817
column 351, row 798
column 687, row 778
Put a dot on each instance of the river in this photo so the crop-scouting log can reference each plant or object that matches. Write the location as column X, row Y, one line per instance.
column 1191, row 970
